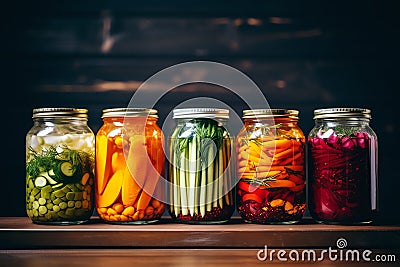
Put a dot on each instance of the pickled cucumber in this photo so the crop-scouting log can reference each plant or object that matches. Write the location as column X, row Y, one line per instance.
column 59, row 178
column 47, row 204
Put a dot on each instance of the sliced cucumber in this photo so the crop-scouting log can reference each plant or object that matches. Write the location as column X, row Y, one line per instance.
column 67, row 173
column 57, row 185
column 40, row 181
column 67, row 169
column 51, row 181
column 48, row 178
column 51, row 173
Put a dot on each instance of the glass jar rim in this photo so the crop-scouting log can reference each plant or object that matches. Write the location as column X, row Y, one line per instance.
column 270, row 113
column 129, row 112
column 342, row 113
column 59, row 112
column 195, row 113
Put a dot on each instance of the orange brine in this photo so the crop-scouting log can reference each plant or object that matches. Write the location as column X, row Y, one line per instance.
column 129, row 166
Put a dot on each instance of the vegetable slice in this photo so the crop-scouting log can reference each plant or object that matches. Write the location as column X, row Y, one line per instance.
column 103, row 169
column 40, row 181
column 67, row 169
column 112, row 190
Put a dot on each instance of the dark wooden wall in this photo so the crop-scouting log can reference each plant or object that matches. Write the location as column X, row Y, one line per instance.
column 302, row 54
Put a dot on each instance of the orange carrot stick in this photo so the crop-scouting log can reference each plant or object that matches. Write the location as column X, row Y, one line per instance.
column 103, row 162
column 117, row 161
column 112, row 190
column 135, row 171
column 130, row 189
column 284, row 154
column 281, row 183
column 295, row 168
column 153, row 175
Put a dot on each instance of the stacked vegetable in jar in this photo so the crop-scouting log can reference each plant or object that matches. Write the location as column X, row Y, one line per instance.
column 271, row 166
column 59, row 167
column 129, row 162
column 200, row 172
column 343, row 166
column 270, row 159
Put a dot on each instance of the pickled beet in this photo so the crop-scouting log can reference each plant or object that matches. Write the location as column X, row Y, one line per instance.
column 340, row 176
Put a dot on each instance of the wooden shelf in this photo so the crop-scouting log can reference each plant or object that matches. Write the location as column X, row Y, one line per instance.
column 95, row 243
column 21, row 233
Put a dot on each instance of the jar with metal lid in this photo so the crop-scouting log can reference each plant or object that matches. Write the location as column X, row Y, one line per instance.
column 60, row 152
column 129, row 166
column 200, row 172
column 342, row 166
column 271, row 166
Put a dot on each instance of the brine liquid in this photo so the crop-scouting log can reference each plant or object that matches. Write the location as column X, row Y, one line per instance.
column 342, row 179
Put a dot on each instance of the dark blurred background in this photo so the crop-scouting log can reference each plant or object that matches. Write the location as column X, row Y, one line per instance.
column 302, row 54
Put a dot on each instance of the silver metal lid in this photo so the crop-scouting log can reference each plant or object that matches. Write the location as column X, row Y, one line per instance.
column 195, row 113
column 129, row 112
column 270, row 113
column 60, row 112
column 335, row 113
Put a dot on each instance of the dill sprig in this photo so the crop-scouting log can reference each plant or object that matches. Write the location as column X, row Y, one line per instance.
column 48, row 159
column 259, row 182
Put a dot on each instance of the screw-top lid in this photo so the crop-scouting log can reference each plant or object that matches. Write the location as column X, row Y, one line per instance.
column 334, row 113
column 270, row 113
column 129, row 112
column 195, row 113
column 60, row 112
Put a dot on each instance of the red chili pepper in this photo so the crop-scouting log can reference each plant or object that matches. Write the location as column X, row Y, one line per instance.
column 251, row 189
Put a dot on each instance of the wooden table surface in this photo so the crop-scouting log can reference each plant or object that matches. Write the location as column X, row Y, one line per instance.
column 23, row 243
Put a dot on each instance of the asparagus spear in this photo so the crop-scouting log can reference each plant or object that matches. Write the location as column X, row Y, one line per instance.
column 203, row 196
column 174, row 189
column 220, row 177
column 182, row 184
column 191, row 174
column 210, row 176
column 197, row 176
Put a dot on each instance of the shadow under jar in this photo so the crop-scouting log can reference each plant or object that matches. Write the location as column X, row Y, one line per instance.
column 129, row 167
column 60, row 167
column 200, row 172
column 342, row 166
column 271, row 167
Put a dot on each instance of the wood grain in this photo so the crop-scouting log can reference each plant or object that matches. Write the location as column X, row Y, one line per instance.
column 155, row 257
column 21, row 233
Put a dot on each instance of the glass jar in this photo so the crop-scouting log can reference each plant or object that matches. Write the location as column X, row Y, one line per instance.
column 271, row 166
column 129, row 162
column 342, row 166
column 200, row 171
column 59, row 167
